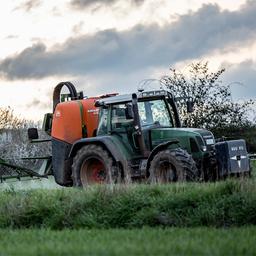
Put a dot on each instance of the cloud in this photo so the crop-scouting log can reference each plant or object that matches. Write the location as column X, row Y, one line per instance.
column 84, row 4
column 29, row 5
column 78, row 28
column 12, row 37
column 38, row 103
column 241, row 77
column 192, row 36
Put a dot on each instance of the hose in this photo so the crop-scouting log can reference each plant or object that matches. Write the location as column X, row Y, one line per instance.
column 57, row 91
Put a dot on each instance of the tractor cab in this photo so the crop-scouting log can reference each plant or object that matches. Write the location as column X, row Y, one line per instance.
column 155, row 109
column 145, row 120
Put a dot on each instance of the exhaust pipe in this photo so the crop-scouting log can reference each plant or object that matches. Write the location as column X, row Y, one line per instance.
column 137, row 126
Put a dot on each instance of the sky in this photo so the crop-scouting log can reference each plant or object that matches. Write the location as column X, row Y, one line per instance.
column 105, row 46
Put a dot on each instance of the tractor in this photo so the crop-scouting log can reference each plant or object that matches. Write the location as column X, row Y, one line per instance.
column 135, row 137
column 122, row 138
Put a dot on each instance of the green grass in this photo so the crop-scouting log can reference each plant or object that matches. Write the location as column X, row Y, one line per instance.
column 146, row 241
column 253, row 164
column 222, row 204
column 131, row 220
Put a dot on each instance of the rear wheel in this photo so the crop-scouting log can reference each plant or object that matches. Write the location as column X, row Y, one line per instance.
column 172, row 165
column 93, row 165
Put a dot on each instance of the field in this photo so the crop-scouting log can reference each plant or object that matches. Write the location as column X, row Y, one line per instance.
column 146, row 241
column 186, row 218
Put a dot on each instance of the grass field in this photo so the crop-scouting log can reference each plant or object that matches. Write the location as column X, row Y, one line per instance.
column 146, row 241
column 176, row 219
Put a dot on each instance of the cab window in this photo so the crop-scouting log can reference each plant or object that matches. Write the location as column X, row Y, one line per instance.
column 154, row 112
column 103, row 122
column 119, row 118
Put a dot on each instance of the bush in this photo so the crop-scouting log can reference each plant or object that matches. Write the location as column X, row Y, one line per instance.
column 224, row 204
column 248, row 133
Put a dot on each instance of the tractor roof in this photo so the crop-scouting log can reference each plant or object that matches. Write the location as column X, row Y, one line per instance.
column 128, row 97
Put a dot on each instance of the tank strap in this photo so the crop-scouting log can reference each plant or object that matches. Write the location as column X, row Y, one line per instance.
column 84, row 129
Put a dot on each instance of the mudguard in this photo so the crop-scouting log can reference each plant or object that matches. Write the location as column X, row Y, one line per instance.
column 106, row 142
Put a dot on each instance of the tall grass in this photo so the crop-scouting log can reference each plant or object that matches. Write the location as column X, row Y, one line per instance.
column 222, row 204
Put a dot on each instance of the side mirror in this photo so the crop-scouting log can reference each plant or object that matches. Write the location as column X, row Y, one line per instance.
column 33, row 134
column 129, row 111
column 190, row 106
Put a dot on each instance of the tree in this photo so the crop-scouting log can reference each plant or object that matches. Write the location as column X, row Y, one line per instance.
column 213, row 105
column 14, row 142
column 9, row 121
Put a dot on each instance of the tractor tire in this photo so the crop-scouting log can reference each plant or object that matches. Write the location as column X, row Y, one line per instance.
column 93, row 165
column 172, row 165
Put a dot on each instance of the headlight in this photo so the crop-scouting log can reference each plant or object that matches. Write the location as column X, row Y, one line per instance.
column 209, row 141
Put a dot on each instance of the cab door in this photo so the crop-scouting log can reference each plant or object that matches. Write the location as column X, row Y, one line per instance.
column 123, row 128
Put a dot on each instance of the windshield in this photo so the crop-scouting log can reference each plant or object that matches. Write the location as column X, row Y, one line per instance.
column 154, row 112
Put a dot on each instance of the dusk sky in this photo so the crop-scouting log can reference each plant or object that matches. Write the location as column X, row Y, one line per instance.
column 112, row 45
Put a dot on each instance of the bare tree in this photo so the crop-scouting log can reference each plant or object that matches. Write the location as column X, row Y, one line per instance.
column 14, row 143
column 8, row 120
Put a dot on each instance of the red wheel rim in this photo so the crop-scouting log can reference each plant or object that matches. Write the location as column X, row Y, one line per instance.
column 93, row 172
column 98, row 173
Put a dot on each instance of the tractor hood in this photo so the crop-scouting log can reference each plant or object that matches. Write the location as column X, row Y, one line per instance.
column 203, row 137
column 202, row 132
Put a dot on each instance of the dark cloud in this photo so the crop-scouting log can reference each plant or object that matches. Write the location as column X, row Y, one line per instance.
column 27, row 6
column 84, row 4
column 192, row 36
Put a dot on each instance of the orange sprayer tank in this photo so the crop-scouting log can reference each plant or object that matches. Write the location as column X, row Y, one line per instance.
column 69, row 117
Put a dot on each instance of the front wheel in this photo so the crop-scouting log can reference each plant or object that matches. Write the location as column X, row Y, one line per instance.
column 172, row 165
column 93, row 165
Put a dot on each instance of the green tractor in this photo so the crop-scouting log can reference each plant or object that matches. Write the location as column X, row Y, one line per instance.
column 140, row 137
